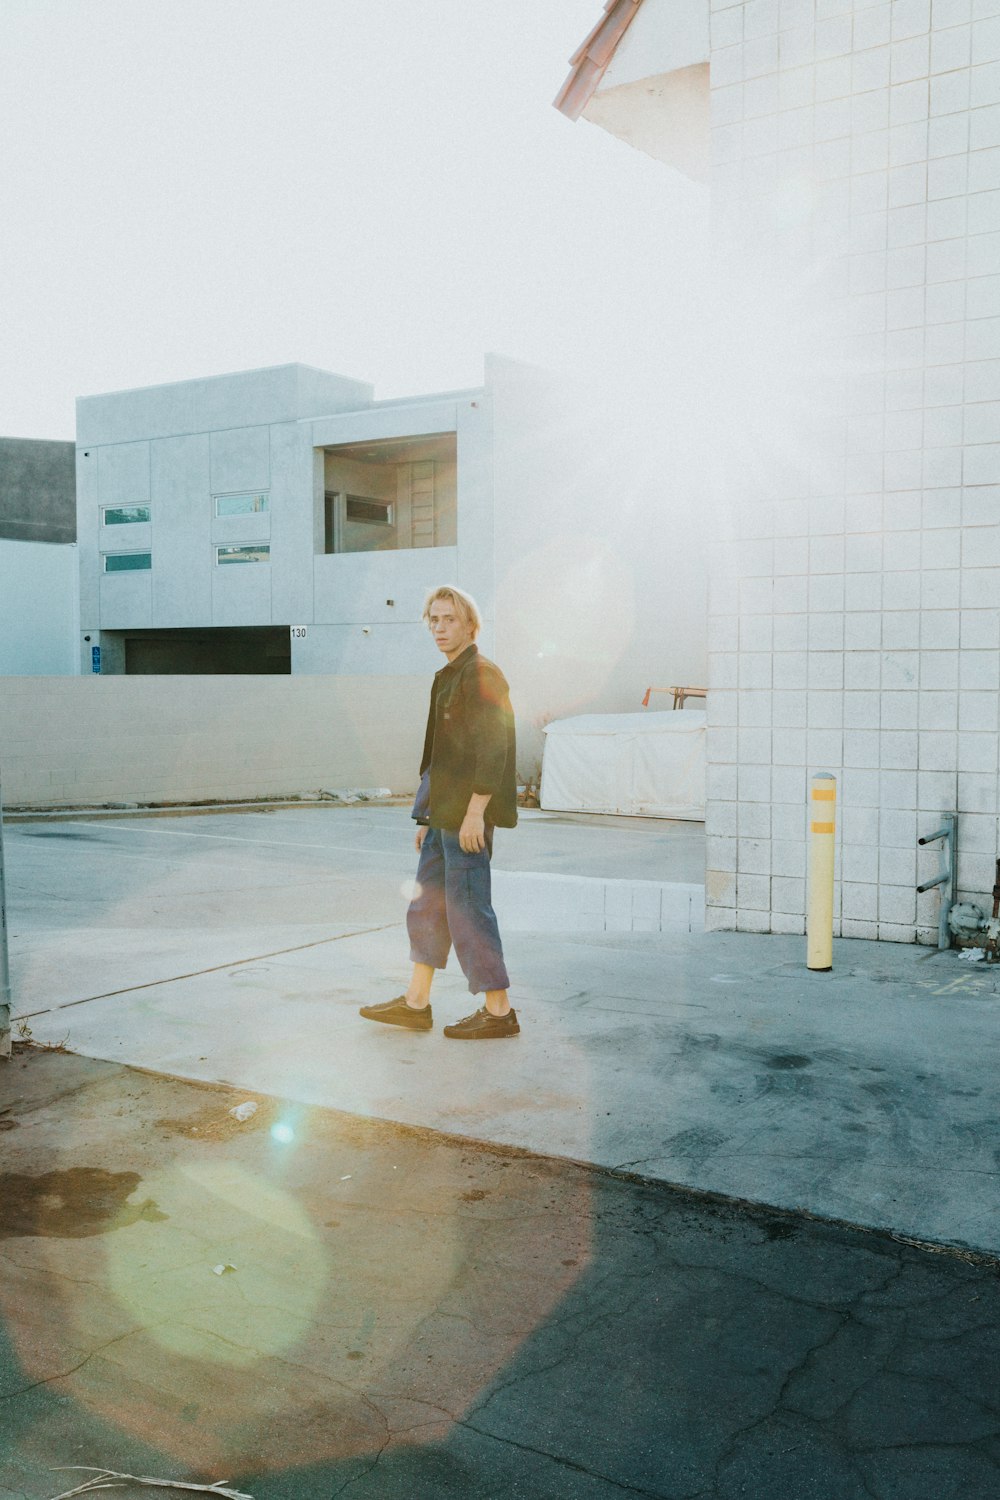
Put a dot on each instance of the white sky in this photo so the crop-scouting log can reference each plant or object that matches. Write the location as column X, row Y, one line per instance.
column 378, row 187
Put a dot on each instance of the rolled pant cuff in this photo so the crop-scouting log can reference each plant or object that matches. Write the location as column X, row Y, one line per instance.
column 429, row 963
column 479, row 986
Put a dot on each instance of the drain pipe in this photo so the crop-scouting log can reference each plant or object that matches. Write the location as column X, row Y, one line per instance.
column 5, row 997
column 948, row 876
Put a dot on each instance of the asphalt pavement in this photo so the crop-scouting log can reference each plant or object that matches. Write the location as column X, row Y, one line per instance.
column 311, row 1304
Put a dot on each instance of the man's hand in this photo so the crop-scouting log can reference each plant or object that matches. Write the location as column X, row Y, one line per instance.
column 472, row 834
column 421, row 835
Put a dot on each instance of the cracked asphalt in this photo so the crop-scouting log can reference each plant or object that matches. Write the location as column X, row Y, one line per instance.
column 313, row 1304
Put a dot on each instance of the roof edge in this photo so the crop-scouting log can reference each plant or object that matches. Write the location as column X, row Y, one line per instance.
column 591, row 59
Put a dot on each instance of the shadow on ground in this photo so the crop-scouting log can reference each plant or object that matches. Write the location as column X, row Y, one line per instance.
column 312, row 1305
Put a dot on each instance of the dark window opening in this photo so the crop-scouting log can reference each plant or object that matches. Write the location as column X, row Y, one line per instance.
column 360, row 508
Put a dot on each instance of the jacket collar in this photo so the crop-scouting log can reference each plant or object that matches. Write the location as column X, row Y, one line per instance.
column 460, row 660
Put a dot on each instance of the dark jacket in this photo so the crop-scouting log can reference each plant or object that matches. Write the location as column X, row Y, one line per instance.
column 469, row 744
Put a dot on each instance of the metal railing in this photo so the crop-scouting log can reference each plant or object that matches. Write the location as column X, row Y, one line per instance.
column 947, row 876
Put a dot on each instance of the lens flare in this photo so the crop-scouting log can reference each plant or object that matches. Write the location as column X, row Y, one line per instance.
column 573, row 640
column 231, row 1216
column 282, row 1132
column 410, row 890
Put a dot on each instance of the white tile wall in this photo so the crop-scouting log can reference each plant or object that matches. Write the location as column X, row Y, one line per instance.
column 855, row 625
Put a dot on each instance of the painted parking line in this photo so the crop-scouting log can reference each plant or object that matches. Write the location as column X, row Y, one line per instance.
column 231, row 838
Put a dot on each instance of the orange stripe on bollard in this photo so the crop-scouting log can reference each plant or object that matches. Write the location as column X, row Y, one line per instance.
column 820, row 795
column 822, row 827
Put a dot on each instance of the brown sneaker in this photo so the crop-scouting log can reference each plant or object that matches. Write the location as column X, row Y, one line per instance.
column 398, row 1013
column 481, row 1026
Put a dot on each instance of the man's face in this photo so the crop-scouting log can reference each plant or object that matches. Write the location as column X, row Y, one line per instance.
column 451, row 631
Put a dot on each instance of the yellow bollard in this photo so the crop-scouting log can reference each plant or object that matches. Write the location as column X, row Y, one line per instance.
column 822, row 824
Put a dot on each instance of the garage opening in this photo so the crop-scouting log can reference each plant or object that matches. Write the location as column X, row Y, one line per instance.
column 259, row 650
column 390, row 494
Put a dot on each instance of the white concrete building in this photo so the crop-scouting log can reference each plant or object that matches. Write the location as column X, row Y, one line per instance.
column 854, row 162
column 218, row 522
column 283, row 521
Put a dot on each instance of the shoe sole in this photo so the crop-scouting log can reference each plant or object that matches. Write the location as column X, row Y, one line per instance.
column 403, row 1025
column 479, row 1036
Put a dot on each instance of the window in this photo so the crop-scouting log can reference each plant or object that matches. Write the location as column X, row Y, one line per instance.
column 124, row 515
column 358, row 523
column 388, row 494
column 241, row 505
column 127, row 562
column 250, row 552
column 374, row 512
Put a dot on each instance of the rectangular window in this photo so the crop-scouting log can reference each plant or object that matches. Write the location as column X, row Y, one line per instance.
column 385, row 494
column 124, row 515
column 127, row 562
column 362, row 508
column 251, row 552
column 241, row 505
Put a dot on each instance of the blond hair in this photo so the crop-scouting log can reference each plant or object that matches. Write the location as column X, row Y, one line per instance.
column 464, row 604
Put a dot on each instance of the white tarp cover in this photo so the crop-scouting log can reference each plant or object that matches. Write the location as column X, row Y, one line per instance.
column 643, row 765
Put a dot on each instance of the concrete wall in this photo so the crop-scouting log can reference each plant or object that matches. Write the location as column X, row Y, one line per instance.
column 95, row 740
column 38, row 608
column 216, row 403
column 353, row 590
column 37, row 491
column 856, row 618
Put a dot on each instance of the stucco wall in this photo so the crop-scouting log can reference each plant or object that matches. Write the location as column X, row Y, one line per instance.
column 38, row 584
column 94, row 740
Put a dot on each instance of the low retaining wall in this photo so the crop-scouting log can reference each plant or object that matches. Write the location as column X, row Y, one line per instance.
column 92, row 741
column 529, row 902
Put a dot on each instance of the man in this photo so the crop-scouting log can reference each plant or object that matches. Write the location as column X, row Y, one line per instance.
column 468, row 788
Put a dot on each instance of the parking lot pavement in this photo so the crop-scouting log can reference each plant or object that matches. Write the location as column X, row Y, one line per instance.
column 237, row 948
column 104, row 904
column 312, row 1304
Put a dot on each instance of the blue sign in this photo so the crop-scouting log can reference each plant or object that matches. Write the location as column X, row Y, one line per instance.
column 95, row 658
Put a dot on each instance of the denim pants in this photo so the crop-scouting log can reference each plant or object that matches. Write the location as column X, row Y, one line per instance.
column 452, row 906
